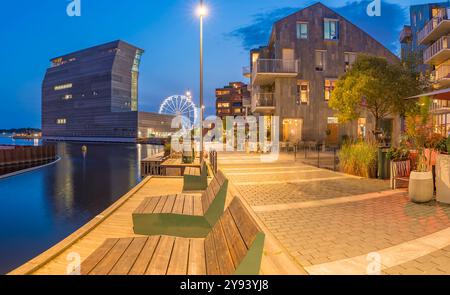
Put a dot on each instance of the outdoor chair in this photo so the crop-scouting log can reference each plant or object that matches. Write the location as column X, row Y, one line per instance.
column 400, row 172
column 233, row 247
column 182, row 215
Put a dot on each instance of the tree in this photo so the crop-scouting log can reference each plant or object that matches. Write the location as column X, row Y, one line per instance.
column 375, row 85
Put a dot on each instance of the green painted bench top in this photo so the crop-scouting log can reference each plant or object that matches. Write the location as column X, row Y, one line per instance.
column 182, row 215
column 233, row 246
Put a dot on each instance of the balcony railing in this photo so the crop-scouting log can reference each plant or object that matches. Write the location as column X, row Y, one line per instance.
column 441, row 44
column 442, row 73
column 264, row 99
column 275, row 66
column 431, row 25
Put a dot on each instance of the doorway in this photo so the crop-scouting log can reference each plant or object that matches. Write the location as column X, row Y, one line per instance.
column 292, row 130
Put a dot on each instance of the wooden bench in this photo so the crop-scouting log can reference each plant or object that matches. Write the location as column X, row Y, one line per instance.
column 400, row 172
column 234, row 246
column 195, row 179
column 182, row 215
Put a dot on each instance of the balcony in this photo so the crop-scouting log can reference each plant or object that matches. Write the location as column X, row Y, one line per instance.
column 434, row 29
column 405, row 34
column 263, row 102
column 266, row 70
column 441, row 76
column 247, row 72
column 438, row 52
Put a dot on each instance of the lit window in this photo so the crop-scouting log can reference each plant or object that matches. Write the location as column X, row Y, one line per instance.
column 61, row 121
column 329, row 87
column 238, row 111
column 67, row 97
column 222, row 92
column 63, row 86
column 303, row 92
column 320, row 60
column 302, row 30
column 333, row 120
column 223, row 105
column 331, row 29
column 349, row 58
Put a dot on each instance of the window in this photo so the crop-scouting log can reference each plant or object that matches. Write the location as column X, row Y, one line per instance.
column 320, row 60
column 332, row 120
column 303, row 92
column 237, row 111
column 349, row 58
column 222, row 92
column 331, row 29
column 223, row 105
column 63, row 86
column 329, row 87
column 302, row 30
column 67, row 97
column 61, row 121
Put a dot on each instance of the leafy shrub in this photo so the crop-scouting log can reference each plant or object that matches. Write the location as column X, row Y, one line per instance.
column 398, row 154
column 448, row 144
column 359, row 158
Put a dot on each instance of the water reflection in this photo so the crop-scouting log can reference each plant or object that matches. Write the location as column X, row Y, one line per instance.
column 40, row 208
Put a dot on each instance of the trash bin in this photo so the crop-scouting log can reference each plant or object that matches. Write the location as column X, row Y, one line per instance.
column 383, row 164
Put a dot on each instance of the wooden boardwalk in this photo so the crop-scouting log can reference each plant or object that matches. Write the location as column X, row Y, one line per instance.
column 116, row 222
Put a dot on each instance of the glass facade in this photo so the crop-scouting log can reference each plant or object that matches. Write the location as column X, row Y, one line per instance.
column 134, row 80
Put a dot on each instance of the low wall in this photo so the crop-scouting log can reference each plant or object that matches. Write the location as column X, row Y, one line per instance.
column 26, row 155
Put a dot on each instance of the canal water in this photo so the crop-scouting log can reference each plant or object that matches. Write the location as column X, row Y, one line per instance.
column 40, row 208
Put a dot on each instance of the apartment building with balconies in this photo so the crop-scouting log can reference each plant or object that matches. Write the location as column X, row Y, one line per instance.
column 430, row 39
column 293, row 76
column 232, row 100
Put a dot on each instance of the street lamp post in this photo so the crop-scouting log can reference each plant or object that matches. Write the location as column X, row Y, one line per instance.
column 201, row 13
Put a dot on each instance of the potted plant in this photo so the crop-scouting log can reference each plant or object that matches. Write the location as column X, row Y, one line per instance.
column 443, row 172
column 419, row 132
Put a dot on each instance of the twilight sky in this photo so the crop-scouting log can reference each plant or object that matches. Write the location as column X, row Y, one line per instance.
column 32, row 32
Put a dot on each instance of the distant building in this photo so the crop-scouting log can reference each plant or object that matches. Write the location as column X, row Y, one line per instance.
column 293, row 76
column 428, row 38
column 232, row 100
column 92, row 95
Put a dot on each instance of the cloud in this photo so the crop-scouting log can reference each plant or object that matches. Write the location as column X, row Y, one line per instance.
column 257, row 33
column 385, row 28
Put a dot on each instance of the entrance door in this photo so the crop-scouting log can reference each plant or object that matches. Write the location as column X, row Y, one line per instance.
column 333, row 134
column 292, row 130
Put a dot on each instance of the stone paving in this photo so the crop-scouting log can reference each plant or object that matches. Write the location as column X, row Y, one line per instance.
column 328, row 233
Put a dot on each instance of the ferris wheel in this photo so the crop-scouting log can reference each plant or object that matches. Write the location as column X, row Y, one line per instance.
column 180, row 106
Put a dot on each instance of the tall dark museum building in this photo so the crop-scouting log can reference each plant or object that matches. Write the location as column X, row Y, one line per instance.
column 92, row 95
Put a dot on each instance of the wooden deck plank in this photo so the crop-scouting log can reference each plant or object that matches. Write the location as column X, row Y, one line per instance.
column 212, row 264
column 178, row 205
column 144, row 258
column 88, row 265
column 161, row 258
column 244, row 222
column 110, row 260
column 126, row 262
column 188, row 208
column 179, row 260
column 169, row 204
column 223, row 255
column 198, row 207
column 151, row 204
column 197, row 262
column 162, row 201
column 236, row 244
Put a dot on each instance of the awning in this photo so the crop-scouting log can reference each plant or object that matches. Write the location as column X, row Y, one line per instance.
column 443, row 94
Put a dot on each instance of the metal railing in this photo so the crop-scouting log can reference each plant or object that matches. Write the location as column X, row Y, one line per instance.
column 431, row 25
column 264, row 99
column 246, row 71
column 276, row 66
column 441, row 44
column 441, row 73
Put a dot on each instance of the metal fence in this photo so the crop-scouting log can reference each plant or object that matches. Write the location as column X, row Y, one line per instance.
column 318, row 156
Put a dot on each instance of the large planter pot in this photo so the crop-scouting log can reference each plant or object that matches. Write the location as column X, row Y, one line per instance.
column 421, row 187
column 443, row 179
